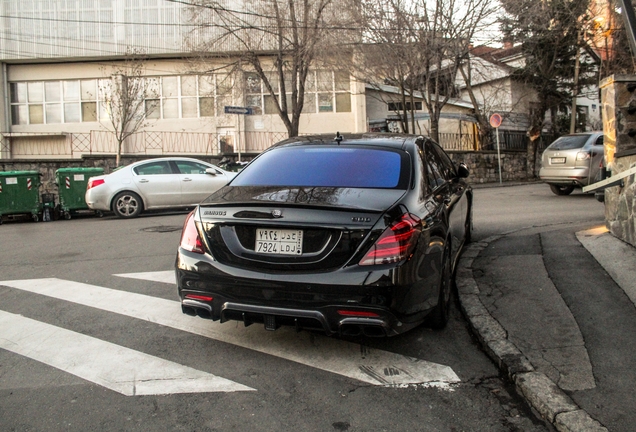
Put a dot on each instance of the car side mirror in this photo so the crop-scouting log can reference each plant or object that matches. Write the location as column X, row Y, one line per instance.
column 462, row 170
column 211, row 171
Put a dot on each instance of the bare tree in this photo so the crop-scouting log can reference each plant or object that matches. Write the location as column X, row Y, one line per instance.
column 279, row 41
column 492, row 88
column 124, row 98
column 419, row 46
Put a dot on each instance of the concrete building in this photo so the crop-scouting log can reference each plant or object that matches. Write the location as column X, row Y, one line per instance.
column 496, row 90
column 58, row 56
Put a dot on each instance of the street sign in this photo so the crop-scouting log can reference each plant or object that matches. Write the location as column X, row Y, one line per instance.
column 495, row 120
column 238, row 110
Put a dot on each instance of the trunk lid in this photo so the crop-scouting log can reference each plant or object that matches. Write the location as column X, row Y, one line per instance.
column 278, row 229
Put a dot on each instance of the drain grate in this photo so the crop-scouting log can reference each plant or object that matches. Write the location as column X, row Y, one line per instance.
column 161, row 229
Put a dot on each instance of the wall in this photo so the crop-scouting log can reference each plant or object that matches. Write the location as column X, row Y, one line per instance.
column 483, row 166
column 618, row 96
column 311, row 122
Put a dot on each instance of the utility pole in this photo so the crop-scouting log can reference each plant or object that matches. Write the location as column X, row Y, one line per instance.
column 575, row 85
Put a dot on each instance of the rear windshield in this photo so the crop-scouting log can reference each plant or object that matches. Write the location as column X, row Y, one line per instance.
column 569, row 142
column 332, row 166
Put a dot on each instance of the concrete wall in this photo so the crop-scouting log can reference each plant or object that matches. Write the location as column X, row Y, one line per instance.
column 483, row 166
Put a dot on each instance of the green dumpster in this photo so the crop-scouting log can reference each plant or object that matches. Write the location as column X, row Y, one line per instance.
column 71, row 186
column 20, row 193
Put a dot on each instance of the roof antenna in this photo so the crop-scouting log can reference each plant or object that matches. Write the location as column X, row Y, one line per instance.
column 338, row 138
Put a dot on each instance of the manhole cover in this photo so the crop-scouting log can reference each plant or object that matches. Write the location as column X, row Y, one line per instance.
column 162, row 229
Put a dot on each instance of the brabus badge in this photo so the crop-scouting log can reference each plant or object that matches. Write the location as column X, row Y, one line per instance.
column 360, row 219
column 277, row 213
column 214, row 213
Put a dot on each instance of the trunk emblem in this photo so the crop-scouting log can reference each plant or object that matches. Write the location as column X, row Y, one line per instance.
column 277, row 213
column 360, row 219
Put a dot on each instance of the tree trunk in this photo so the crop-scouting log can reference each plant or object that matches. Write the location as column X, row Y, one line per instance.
column 435, row 129
column 534, row 134
column 120, row 144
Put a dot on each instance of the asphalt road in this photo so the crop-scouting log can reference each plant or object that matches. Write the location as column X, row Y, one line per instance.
column 98, row 340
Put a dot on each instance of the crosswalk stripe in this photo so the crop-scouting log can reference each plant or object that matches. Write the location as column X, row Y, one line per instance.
column 121, row 369
column 368, row 365
column 162, row 276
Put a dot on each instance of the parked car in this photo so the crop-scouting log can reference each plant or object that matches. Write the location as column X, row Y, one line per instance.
column 151, row 184
column 572, row 161
column 352, row 236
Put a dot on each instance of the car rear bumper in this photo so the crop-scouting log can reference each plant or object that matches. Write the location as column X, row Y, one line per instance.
column 348, row 304
column 323, row 319
column 96, row 200
column 578, row 177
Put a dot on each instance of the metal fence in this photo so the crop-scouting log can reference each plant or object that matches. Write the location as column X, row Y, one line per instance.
column 517, row 140
column 74, row 145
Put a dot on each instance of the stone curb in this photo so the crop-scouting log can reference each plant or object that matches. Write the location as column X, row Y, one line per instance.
column 541, row 393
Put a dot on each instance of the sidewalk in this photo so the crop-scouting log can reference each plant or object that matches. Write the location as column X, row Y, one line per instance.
column 511, row 291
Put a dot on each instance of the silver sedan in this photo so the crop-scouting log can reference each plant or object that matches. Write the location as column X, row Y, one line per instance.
column 572, row 161
column 161, row 183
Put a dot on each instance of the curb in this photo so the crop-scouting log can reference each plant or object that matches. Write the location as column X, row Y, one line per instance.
column 541, row 393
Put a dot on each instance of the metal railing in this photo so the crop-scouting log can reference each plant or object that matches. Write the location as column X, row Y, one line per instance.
column 99, row 142
column 517, row 140
column 96, row 142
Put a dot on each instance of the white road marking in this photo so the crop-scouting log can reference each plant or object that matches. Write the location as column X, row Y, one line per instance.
column 117, row 368
column 368, row 365
column 162, row 276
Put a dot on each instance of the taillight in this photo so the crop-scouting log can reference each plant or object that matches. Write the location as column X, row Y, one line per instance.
column 199, row 297
column 190, row 239
column 356, row 313
column 582, row 155
column 396, row 242
column 94, row 182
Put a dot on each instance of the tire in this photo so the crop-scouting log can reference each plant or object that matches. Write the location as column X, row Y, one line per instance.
column 127, row 205
column 438, row 318
column 561, row 190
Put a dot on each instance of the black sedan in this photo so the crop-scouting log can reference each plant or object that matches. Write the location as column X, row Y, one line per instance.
column 354, row 235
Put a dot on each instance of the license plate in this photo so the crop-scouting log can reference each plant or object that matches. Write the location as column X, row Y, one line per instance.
column 279, row 241
column 557, row 160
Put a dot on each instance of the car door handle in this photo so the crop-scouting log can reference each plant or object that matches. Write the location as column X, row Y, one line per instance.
column 144, row 181
column 187, row 179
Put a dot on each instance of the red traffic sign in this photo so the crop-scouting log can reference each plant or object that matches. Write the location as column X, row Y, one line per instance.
column 495, row 120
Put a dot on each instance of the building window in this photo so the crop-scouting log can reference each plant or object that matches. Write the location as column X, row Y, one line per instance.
column 397, row 106
column 582, row 115
column 325, row 91
column 39, row 102
column 75, row 101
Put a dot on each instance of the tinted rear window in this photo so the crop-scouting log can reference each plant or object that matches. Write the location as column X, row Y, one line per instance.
column 333, row 166
column 569, row 142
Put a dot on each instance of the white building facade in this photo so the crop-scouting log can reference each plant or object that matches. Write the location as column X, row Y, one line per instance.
column 56, row 55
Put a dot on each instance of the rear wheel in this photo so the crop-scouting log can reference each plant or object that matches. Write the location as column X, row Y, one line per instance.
column 127, row 205
column 438, row 318
column 561, row 190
